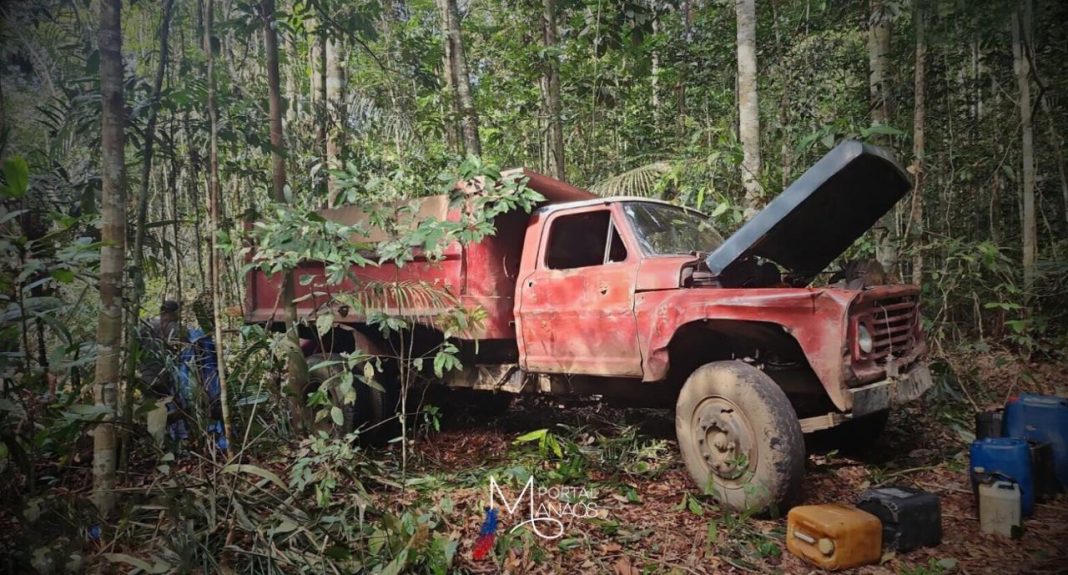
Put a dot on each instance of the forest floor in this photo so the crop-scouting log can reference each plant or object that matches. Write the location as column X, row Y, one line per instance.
column 642, row 513
column 655, row 522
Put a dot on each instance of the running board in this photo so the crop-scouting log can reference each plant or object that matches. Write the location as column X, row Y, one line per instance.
column 825, row 421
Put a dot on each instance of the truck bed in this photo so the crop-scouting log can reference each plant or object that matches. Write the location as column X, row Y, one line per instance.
column 478, row 275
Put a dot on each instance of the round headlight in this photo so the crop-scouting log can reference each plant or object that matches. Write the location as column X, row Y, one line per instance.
column 864, row 340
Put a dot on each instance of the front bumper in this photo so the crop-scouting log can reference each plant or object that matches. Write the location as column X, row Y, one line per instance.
column 884, row 394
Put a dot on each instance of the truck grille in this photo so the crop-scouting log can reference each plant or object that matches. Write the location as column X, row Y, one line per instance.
column 893, row 325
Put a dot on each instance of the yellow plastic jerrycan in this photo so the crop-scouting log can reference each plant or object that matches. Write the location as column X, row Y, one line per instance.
column 834, row 536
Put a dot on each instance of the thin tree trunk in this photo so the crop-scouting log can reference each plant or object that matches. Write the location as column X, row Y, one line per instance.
column 786, row 77
column 137, row 271
column 112, row 251
column 1022, row 68
column 292, row 89
column 452, row 109
column 295, row 364
column 680, row 84
column 878, row 61
column 1058, row 145
column 748, row 109
column 322, row 114
column 654, row 79
column 314, row 55
column 172, row 186
column 214, row 203
column 335, row 100
column 919, row 118
column 551, row 93
column 450, row 15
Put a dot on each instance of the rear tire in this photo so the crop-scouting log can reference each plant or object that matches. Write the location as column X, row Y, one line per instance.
column 326, row 369
column 460, row 402
column 740, row 437
column 369, row 413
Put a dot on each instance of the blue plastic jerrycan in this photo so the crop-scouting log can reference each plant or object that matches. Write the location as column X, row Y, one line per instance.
column 1041, row 418
column 1007, row 457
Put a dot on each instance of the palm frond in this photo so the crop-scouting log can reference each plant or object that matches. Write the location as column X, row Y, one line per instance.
column 366, row 116
column 641, row 181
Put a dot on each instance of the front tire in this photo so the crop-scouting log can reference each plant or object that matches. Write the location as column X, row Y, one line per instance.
column 740, row 437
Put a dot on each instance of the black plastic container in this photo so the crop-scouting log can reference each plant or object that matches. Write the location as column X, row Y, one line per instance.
column 911, row 518
column 1043, row 473
column 989, row 423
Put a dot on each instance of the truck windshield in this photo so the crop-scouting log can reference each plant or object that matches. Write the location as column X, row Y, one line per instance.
column 667, row 230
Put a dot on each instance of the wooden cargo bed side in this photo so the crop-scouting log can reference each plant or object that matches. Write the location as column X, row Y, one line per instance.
column 480, row 275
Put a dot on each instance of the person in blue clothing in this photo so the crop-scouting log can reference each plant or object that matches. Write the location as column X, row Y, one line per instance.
column 177, row 365
column 198, row 365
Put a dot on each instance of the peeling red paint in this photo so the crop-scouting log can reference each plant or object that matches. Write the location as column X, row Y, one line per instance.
column 618, row 319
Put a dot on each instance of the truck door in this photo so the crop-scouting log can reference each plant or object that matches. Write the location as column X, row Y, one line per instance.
column 576, row 309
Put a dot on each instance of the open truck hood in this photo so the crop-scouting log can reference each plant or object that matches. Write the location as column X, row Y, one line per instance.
column 821, row 214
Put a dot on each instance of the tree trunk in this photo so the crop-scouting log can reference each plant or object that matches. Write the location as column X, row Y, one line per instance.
column 454, row 48
column 292, row 87
column 919, row 118
column 214, row 204
column 335, row 100
column 322, row 113
column 112, row 251
column 748, row 110
column 680, row 84
column 295, row 364
column 314, row 55
column 1058, row 145
column 453, row 140
column 1022, row 68
column 878, row 61
column 550, row 83
column 654, row 78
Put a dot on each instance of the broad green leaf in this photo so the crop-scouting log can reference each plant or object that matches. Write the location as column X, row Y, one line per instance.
column 694, row 506
column 337, row 415
column 85, row 411
column 63, row 276
column 324, row 322
column 255, row 470
column 535, row 435
column 17, row 174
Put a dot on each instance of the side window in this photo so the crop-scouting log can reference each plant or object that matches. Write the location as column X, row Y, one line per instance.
column 617, row 252
column 582, row 240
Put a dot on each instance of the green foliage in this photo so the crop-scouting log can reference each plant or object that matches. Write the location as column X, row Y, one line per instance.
column 649, row 108
column 546, row 442
column 933, row 567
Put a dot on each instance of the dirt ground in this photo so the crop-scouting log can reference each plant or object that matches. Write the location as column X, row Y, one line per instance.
column 650, row 518
column 651, row 525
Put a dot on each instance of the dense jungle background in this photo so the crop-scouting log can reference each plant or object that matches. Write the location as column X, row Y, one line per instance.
column 138, row 137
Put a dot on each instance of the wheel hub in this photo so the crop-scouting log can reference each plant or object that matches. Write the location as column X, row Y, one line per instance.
column 724, row 438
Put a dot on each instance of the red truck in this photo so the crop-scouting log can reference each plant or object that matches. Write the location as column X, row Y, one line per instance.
column 642, row 301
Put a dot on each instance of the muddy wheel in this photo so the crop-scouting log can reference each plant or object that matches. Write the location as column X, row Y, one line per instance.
column 369, row 411
column 740, row 437
column 326, row 369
